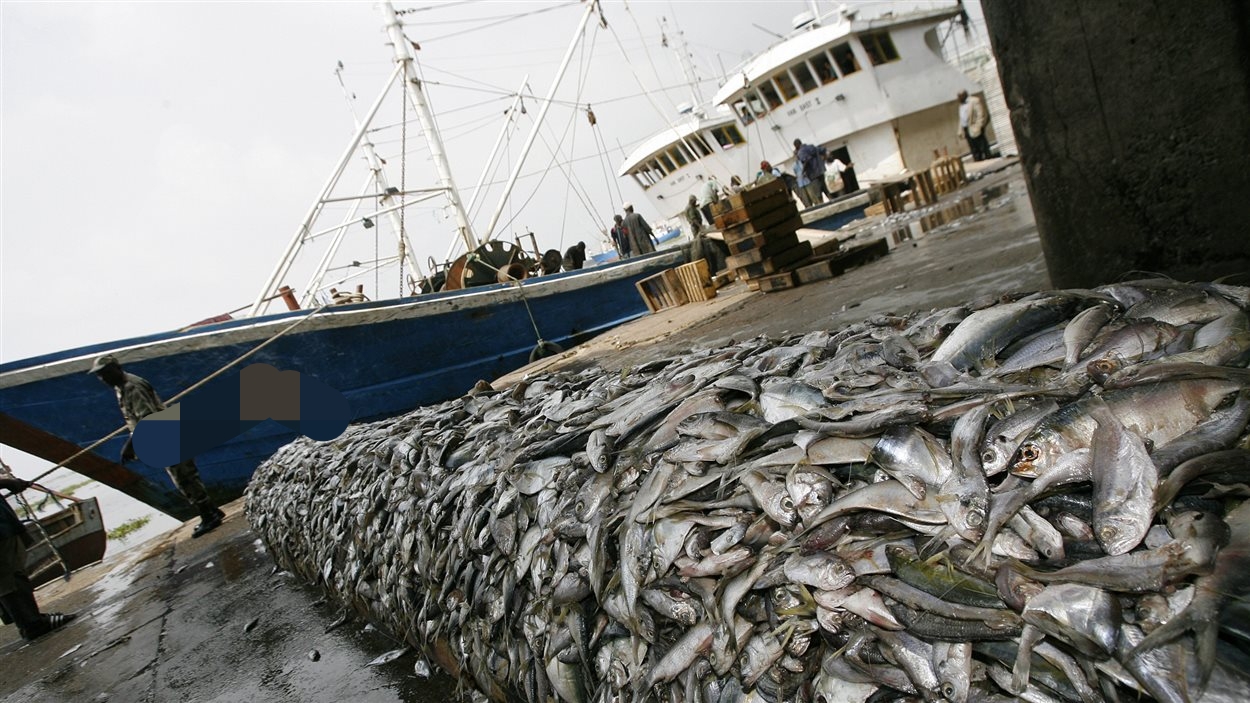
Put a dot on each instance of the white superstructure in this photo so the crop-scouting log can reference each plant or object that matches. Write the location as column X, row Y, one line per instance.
column 876, row 92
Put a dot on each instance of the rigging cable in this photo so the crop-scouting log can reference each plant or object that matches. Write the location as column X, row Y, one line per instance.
column 403, row 189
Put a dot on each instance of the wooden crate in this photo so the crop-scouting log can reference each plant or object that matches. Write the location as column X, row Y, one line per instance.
column 787, row 260
column 662, row 290
column 749, row 195
column 948, row 174
column 695, row 281
column 752, row 211
column 874, row 210
column 773, row 220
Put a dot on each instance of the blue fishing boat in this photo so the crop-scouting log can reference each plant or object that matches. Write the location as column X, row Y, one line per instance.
column 487, row 313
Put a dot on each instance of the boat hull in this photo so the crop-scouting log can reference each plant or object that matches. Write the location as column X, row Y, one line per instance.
column 386, row 357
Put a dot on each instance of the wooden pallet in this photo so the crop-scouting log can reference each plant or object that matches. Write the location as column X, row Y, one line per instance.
column 748, row 196
column 787, row 260
column 772, row 220
column 752, row 211
column 776, row 282
column 760, row 247
column 662, row 290
column 695, row 281
column 842, row 262
column 739, row 243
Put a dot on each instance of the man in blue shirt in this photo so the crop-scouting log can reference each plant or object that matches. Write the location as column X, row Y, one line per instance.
column 810, row 168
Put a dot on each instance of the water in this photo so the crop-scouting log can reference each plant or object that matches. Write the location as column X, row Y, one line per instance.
column 116, row 508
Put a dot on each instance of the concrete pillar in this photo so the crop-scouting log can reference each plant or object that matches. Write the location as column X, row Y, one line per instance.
column 1133, row 121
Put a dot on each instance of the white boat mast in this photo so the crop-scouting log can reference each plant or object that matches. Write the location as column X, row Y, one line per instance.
column 284, row 266
column 591, row 8
column 412, row 85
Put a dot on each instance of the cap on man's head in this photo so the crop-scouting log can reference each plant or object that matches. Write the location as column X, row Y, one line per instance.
column 104, row 362
column 627, row 205
column 765, row 165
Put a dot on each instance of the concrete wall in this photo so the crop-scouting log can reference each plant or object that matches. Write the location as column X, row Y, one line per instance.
column 1133, row 121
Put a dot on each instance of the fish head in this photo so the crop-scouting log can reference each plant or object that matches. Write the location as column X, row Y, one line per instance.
column 1027, row 459
column 967, row 515
column 1100, row 370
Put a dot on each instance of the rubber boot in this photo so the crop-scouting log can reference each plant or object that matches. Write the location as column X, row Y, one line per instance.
column 210, row 519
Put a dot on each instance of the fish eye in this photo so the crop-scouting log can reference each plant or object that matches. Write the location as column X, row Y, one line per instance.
column 976, row 518
column 787, row 503
column 1029, row 452
column 987, row 456
column 948, row 690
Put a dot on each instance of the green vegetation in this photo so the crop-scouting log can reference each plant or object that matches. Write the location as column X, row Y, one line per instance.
column 126, row 529
column 69, row 491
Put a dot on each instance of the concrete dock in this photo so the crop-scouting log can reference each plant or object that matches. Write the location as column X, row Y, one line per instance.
column 212, row 620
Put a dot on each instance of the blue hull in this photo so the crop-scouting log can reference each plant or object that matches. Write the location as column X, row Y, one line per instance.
column 385, row 357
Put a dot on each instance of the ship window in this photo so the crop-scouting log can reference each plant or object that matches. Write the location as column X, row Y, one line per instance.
column 845, row 59
column 757, row 106
column 824, row 68
column 788, row 91
column 655, row 166
column 804, row 77
column 744, row 115
column 667, row 163
column 879, row 47
column 699, row 144
column 770, row 95
column 728, row 136
column 678, row 155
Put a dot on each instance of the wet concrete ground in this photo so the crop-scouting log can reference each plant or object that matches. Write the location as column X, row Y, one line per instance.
column 168, row 621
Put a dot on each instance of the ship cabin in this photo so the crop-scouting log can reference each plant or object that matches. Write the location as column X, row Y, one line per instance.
column 875, row 92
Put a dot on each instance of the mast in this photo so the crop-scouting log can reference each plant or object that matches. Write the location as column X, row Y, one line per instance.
column 288, row 258
column 687, row 62
column 379, row 177
column 412, row 84
column 591, row 7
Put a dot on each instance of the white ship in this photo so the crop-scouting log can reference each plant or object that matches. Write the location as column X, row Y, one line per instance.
column 875, row 92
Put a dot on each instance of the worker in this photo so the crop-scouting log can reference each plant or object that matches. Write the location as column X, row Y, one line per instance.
column 137, row 399
column 17, row 596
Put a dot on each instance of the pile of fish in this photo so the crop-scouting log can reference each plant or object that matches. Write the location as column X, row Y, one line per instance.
column 1035, row 498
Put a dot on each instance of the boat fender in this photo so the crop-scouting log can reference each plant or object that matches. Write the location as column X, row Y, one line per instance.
column 544, row 349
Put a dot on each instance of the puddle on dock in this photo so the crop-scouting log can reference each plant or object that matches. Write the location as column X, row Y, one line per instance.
column 942, row 215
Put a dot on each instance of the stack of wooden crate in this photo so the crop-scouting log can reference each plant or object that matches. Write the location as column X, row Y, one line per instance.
column 760, row 227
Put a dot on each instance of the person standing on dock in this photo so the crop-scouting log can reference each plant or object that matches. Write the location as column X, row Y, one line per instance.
column 972, row 120
column 17, row 596
column 835, row 183
column 694, row 216
column 709, row 194
column 767, row 173
column 641, row 239
column 137, row 399
column 810, row 168
column 620, row 237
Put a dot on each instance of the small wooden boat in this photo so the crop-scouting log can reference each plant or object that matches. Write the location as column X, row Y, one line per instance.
column 66, row 540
